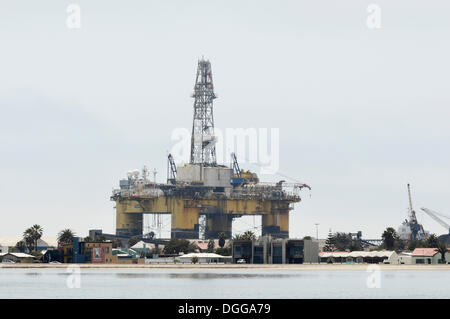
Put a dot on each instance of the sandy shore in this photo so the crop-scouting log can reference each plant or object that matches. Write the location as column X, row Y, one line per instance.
column 310, row 267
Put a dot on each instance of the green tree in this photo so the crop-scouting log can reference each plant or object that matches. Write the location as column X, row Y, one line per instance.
column 156, row 251
column 65, row 236
column 400, row 245
column 194, row 259
column 342, row 241
column 389, row 237
column 248, row 235
column 223, row 251
column 356, row 245
column 222, row 237
column 211, row 245
column 329, row 243
column 88, row 239
column 442, row 249
column 177, row 245
column 413, row 244
column 100, row 238
column 32, row 235
column 307, row 238
column 192, row 248
column 20, row 246
column 432, row 241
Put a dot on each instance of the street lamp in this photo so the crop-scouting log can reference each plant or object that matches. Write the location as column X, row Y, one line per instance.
column 317, row 231
column 317, row 237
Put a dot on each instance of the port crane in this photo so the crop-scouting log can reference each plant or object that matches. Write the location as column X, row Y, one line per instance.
column 417, row 231
column 435, row 215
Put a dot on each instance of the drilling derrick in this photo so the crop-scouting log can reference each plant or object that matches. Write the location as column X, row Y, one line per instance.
column 203, row 150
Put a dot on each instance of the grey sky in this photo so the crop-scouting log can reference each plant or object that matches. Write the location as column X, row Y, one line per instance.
column 361, row 112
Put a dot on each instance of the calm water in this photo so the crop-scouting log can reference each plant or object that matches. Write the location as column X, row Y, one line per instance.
column 95, row 283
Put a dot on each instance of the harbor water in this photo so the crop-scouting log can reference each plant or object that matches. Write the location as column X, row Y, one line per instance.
column 234, row 283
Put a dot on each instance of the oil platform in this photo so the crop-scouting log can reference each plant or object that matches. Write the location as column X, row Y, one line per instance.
column 203, row 188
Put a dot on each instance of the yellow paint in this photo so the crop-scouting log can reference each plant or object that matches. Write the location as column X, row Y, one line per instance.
column 185, row 211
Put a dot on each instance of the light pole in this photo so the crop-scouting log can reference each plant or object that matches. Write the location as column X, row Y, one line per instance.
column 317, row 237
column 317, row 231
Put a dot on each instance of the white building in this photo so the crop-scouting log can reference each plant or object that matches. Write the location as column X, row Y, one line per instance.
column 405, row 258
column 205, row 258
column 429, row 256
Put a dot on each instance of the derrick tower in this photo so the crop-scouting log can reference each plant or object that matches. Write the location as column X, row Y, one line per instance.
column 203, row 150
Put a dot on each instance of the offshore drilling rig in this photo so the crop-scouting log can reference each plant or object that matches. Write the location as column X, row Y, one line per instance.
column 202, row 187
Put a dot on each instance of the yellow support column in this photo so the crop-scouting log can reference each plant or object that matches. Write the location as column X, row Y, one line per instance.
column 127, row 224
column 276, row 223
column 218, row 223
column 184, row 220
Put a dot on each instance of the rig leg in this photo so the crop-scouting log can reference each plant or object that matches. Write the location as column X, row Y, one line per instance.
column 218, row 223
column 185, row 222
column 276, row 224
column 127, row 224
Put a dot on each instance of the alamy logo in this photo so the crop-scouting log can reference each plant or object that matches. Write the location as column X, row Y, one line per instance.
column 260, row 146
column 73, row 20
column 374, row 278
column 74, row 277
column 374, row 18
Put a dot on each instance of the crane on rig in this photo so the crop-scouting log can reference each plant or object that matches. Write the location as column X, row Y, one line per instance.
column 171, row 170
column 435, row 215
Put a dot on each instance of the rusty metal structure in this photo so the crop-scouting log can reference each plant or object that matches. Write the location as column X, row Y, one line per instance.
column 202, row 187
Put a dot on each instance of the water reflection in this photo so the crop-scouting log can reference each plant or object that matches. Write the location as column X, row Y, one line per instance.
column 202, row 275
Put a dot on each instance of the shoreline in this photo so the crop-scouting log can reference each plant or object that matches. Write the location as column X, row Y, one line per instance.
column 306, row 267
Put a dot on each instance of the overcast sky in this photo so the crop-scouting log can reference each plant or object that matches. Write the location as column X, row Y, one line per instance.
column 361, row 111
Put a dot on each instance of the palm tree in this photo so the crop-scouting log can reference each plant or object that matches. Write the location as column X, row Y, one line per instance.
column 432, row 241
column 442, row 249
column 65, row 236
column 248, row 235
column 20, row 246
column 32, row 235
column 28, row 239
column 389, row 237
